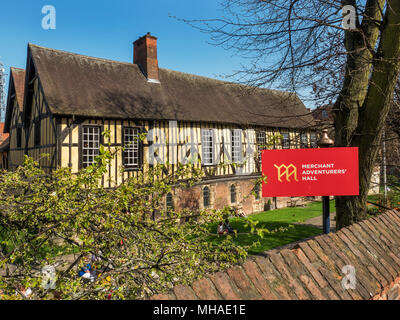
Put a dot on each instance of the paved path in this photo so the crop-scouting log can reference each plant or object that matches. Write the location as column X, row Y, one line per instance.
column 317, row 222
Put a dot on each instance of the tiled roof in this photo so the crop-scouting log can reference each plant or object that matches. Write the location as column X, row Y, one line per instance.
column 19, row 83
column 3, row 136
column 85, row 86
column 17, row 87
column 312, row 269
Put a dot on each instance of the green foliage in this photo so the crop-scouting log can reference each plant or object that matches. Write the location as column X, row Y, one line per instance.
column 142, row 247
column 392, row 198
column 274, row 228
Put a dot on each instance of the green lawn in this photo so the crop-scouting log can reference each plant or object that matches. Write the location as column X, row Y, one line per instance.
column 273, row 220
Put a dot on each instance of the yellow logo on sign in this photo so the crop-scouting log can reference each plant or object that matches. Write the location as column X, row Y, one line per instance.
column 285, row 170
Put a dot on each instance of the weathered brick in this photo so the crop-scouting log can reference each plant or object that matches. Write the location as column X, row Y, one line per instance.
column 316, row 274
column 371, row 255
column 388, row 225
column 224, row 286
column 277, row 284
column 384, row 277
column 394, row 293
column 368, row 282
column 246, row 289
column 283, row 292
column 184, row 293
column 394, row 257
column 335, row 283
column 360, row 290
column 300, row 271
column 258, row 280
column 331, row 294
column 370, row 238
column 387, row 269
column 163, row 296
column 330, row 272
column 385, row 240
column 368, row 226
column 373, row 282
column 380, row 239
column 313, row 271
column 377, row 250
column 385, row 222
column 205, row 290
column 327, row 262
column 277, row 260
column 310, row 285
column 376, row 224
column 395, row 218
column 292, row 261
column 308, row 251
column 325, row 248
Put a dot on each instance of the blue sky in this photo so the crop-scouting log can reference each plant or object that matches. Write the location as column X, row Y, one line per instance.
column 106, row 29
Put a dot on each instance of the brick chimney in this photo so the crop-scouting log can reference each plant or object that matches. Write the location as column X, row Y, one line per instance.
column 145, row 55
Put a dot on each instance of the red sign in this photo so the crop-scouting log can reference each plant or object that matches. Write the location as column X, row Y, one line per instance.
column 310, row 172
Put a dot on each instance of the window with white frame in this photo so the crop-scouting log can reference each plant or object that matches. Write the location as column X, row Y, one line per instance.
column 132, row 147
column 236, row 145
column 285, row 141
column 261, row 141
column 90, row 144
column 207, row 142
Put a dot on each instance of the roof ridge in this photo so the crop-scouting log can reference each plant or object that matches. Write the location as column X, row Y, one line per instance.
column 81, row 55
column 165, row 69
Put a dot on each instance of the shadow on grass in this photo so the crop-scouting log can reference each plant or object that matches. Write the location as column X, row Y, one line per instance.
column 276, row 237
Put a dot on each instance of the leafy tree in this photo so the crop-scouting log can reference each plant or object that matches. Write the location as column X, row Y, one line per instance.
column 301, row 44
column 141, row 247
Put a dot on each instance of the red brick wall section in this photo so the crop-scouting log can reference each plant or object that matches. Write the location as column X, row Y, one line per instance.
column 315, row 269
column 145, row 54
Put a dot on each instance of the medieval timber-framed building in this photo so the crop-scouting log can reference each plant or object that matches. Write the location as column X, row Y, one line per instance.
column 63, row 102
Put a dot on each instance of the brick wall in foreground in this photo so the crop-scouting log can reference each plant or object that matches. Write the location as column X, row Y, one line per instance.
column 313, row 268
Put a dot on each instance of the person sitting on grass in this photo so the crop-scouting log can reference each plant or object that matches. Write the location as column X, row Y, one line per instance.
column 221, row 230
column 87, row 272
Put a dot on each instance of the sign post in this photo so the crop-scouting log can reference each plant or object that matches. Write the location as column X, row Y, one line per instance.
column 311, row 172
column 325, row 142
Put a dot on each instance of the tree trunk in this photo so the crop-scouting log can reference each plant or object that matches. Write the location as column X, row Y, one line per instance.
column 372, row 112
